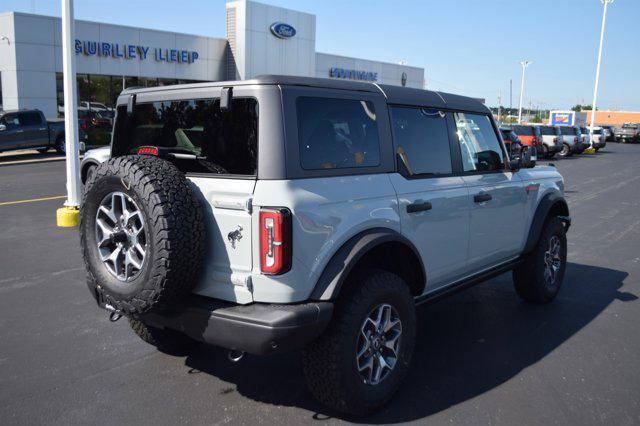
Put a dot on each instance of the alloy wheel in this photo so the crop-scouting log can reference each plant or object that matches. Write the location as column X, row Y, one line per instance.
column 378, row 344
column 121, row 236
column 552, row 261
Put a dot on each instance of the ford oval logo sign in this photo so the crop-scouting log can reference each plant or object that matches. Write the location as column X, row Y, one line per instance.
column 282, row 30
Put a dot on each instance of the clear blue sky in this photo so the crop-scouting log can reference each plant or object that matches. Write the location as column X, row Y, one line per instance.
column 470, row 47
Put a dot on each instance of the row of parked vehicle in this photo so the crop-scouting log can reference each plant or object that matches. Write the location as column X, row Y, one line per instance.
column 550, row 140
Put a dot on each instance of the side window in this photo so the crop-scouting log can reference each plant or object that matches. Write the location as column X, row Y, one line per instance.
column 479, row 145
column 29, row 118
column 421, row 140
column 337, row 133
column 11, row 121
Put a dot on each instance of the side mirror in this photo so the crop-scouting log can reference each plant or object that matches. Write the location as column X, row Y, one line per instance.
column 3, row 127
column 528, row 157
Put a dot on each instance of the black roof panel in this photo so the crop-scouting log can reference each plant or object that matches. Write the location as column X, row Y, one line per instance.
column 394, row 94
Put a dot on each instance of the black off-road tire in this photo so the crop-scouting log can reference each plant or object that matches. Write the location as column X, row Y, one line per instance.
column 529, row 278
column 175, row 229
column 566, row 151
column 60, row 146
column 88, row 174
column 330, row 362
column 165, row 340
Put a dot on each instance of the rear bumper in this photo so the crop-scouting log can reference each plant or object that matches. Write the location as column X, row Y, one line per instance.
column 258, row 329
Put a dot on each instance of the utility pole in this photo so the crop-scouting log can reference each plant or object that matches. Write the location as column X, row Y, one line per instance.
column 69, row 215
column 524, row 65
column 510, row 95
column 595, row 90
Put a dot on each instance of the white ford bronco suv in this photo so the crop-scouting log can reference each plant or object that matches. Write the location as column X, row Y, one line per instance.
column 286, row 213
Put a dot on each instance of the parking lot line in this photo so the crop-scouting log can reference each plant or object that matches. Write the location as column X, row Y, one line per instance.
column 32, row 200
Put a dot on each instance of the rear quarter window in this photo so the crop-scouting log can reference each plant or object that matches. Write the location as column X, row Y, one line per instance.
column 337, row 133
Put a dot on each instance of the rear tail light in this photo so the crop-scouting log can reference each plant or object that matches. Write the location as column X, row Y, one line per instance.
column 575, row 139
column 275, row 240
column 555, row 140
column 83, row 125
column 148, row 150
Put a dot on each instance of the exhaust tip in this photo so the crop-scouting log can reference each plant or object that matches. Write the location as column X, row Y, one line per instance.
column 235, row 356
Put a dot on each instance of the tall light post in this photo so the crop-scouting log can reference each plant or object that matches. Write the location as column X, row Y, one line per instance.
column 69, row 214
column 524, row 64
column 591, row 150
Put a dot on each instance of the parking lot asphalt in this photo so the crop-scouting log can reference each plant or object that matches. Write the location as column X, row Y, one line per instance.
column 482, row 356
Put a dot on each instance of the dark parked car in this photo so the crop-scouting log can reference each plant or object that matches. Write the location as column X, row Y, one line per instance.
column 24, row 129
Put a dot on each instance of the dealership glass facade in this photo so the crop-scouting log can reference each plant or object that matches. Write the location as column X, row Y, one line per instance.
column 95, row 92
column 104, row 89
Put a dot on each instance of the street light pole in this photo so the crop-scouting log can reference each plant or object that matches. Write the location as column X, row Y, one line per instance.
column 69, row 215
column 595, row 90
column 524, row 64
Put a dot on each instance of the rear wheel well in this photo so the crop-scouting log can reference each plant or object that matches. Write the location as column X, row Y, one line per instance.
column 558, row 209
column 394, row 257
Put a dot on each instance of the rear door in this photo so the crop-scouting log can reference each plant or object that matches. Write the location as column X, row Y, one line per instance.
column 217, row 150
column 496, row 196
column 433, row 202
column 36, row 132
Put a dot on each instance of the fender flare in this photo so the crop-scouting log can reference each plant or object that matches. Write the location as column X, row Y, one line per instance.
column 550, row 201
column 343, row 261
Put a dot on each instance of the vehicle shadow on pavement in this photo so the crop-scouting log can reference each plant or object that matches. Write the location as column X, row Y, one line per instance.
column 466, row 345
column 29, row 155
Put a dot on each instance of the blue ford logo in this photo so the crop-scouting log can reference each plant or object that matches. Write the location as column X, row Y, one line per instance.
column 282, row 30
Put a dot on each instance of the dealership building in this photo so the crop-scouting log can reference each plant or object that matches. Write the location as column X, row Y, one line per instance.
column 261, row 39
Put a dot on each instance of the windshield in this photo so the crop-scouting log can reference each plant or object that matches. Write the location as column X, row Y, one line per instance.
column 629, row 126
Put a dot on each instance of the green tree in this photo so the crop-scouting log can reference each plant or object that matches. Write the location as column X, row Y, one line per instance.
column 537, row 119
column 576, row 108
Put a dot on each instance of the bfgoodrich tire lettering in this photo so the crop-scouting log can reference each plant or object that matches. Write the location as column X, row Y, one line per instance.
column 331, row 362
column 532, row 279
column 174, row 234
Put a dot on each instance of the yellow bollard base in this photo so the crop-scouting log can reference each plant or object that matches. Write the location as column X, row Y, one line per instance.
column 68, row 217
column 589, row 151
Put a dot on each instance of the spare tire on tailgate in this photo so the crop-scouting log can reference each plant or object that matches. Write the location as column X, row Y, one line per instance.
column 142, row 234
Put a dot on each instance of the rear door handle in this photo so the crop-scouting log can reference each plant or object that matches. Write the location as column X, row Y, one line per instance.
column 418, row 207
column 482, row 198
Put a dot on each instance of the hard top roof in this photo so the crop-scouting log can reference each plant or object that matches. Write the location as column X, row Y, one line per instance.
column 394, row 94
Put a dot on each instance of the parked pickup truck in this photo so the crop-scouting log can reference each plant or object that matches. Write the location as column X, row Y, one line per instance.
column 627, row 133
column 24, row 129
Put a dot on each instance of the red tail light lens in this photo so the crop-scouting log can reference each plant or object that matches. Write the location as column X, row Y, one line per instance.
column 148, row 150
column 275, row 241
column 575, row 139
column 83, row 125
